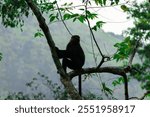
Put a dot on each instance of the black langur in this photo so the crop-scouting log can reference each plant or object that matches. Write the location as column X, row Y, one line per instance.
column 73, row 57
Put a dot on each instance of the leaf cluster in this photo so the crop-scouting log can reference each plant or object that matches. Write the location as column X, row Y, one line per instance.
column 141, row 15
column 103, row 2
column 123, row 49
column 12, row 12
column 0, row 56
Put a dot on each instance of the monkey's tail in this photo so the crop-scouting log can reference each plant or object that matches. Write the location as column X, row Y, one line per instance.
column 80, row 85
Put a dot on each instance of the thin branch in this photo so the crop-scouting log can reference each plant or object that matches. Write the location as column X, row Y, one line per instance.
column 133, row 52
column 94, row 7
column 62, row 19
column 98, row 75
column 91, row 31
column 89, row 25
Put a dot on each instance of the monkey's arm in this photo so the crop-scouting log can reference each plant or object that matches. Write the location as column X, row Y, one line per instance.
column 62, row 53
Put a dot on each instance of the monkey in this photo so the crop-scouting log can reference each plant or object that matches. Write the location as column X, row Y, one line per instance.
column 73, row 57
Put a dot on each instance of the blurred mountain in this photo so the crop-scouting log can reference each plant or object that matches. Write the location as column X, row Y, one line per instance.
column 24, row 56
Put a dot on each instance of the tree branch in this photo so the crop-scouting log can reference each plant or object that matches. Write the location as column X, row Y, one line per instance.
column 91, row 31
column 112, row 69
column 133, row 53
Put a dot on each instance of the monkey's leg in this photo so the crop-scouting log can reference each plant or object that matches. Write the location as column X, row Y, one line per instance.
column 65, row 64
column 68, row 63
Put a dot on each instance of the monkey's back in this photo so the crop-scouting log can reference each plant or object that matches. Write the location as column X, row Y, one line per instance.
column 76, row 54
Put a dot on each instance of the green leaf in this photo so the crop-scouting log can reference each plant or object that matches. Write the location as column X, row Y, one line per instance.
column 104, row 2
column 107, row 89
column 67, row 16
column 0, row 56
column 119, row 81
column 70, row 4
column 82, row 9
column 38, row 34
column 91, row 15
column 98, row 25
column 65, row 4
column 99, row 2
column 74, row 19
column 112, row 3
column 116, row 45
column 116, row 1
column 74, row 15
column 81, row 18
column 94, row 28
column 123, row 49
column 124, row 8
column 52, row 18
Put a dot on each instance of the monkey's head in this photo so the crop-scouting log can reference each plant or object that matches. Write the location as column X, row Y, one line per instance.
column 75, row 39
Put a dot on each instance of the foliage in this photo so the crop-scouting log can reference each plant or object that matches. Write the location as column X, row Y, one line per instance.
column 22, row 96
column 38, row 34
column 103, row 2
column 17, row 96
column 124, row 8
column 98, row 25
column 119, row 81
column 0, row 56
column 12, row 12
column 107, row 90
column 91, row 96
column 141, row 31
column 123, row 49
column 142, row 71
column 141, row 14
column 57, row 91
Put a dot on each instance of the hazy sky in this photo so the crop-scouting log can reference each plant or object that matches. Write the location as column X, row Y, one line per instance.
column 114, row 17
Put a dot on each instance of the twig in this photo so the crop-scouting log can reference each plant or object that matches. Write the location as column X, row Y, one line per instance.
column 62, row 19
column 93, row 7
column 91, row 31
column 133, row 53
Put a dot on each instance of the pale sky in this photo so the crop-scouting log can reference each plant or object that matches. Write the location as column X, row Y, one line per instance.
column 114, row 17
